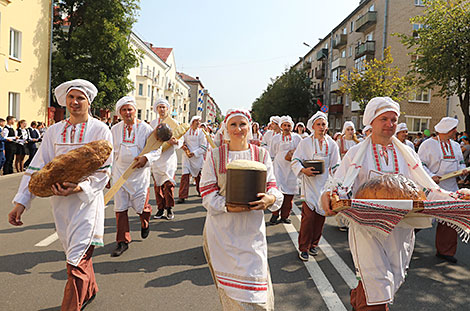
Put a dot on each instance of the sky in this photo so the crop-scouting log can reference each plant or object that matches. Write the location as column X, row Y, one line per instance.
column 236, row 47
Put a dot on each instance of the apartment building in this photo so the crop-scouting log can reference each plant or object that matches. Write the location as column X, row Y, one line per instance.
column 363, row 35
column 25, row 42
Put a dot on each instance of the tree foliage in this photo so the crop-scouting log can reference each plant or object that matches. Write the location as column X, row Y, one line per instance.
column 288, row 94
column 441, row 49
column 378, row 78
column 91, row 42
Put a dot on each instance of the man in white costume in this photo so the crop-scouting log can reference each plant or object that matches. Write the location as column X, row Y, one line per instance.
column 283, row 146
column 195, row 147
column 274, row 129
column 402, row 135
column 441, row 155
column 318, row 146
column 164, row 167
column 78, row 208
column 130, row 136
column 381, row 264
column 234, row 236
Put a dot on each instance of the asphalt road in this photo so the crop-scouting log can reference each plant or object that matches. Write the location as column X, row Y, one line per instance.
column 167, row 271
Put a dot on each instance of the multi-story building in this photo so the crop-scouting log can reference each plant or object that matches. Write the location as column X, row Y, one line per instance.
column 25, row 44
column 363, row 35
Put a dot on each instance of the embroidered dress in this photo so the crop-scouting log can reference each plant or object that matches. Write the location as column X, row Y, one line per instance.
column 79, row 217
column 236, row 242
column 196, row 142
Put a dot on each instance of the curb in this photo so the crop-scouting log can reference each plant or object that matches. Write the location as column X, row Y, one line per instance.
column 9, row 176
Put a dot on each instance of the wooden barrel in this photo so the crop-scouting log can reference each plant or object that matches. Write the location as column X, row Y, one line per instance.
column 245, row 179
column 318, row 165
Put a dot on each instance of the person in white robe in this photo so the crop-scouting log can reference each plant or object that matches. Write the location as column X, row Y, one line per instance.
column 274, row 129
column 318, row 146
column 402, row 135
column 194, row 147
column 129, row 139
column 381, row 265
column 164, row 167
column 442, row 155
column 219, row 136
column 283, row 146
column 348, row 138
column 300, row 129
column 235, row 236
column 78, row 209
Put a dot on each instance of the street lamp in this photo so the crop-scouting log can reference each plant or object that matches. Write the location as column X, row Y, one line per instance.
column 306, row 44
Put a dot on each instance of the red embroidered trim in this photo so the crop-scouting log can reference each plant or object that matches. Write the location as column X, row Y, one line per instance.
column 444, row 153
column 320, row 142
column 203, row 194
column 377, row 161
column 237, row 111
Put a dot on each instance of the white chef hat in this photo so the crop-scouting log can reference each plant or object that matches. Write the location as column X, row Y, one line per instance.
column 446, row 125
column 275, row 119
column 234, row 113
column 84, row 86
column 195, row 118
column 378, row 105
column 346, row 125
column 401, row 127
column 126, row 100
column 286, row 119
column 160, row 101
column 316, row 116
column 366, row 128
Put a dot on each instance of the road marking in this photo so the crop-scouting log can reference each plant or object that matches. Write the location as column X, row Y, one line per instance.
column 48, row 241
column 343, row 269
column 326, row 290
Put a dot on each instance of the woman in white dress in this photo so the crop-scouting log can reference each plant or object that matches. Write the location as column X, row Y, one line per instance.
column 300, row 129
column 347, row 138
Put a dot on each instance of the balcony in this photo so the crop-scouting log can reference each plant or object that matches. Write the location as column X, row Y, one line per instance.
column 322, row 53
column 320, row 73
column 340, row 62
column 336, row 109
column 335, row 86
column 366, row 20
column 340, row 41
column 366, row 48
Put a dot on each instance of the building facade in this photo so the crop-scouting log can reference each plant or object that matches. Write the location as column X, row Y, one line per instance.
column 362, row 36
column 25, row 44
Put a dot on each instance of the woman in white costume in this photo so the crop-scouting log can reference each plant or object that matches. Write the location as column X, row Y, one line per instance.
column 347, row 139
column 257, row 136
column 235, row 237
column 300, row 129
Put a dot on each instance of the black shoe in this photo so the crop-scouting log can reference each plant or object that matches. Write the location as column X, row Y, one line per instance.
column 313, row 251
column 303, row 256
column 120, row 248
column 169, row 214
column 159, row 214
column 343, row 229
column 285, row 220
column 87, row 302
column 273, row 220
column 451, row 259
column 144, row 232
column 180, row 201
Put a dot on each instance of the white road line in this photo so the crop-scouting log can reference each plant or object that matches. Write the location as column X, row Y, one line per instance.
column 346, row 273
column 327, row 291
column 49, row 240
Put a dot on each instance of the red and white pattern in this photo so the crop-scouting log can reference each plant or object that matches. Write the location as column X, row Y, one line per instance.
column 209, row 189
column 241, row 283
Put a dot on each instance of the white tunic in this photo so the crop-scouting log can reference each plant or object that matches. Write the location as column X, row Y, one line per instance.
column 382, row 264
column 409, row 144
column 347, row 144
column 313, row 149
column 286, row 178
column 267, row 137
column 126, row 147
column 219, row 137
column 257, row 138
column 439, row 158
column 196, row 142
column 237, row 241
column 79, row 217
column 164, row 167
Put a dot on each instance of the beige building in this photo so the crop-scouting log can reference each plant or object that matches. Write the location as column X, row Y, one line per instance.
column 25, row 41
column 361, row 36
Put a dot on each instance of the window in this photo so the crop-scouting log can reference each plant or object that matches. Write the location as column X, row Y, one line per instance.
column 419, row 2
column 370, row 36
column 343, row 53
column 372, row 8
column 15, row 44
column 184, row 107
column 335, row 75
column 345, row 31
column 359, row 63
column 139, row 114
column 421, row 96
column 417, row 124
column 147, row 114
column 352, row 27
column 141, row 68
column 141, row 89
column 14, row 104
column 350, row 50
column 416, row 27
column 148, row 91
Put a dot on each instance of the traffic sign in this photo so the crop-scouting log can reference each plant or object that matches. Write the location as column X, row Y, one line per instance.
column 324, row 108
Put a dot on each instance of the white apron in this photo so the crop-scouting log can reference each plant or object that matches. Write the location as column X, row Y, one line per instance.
column 447, row 166
column 285, row 177
column 196, row 143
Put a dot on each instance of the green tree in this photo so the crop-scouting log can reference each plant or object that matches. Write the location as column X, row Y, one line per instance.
column 441, row 50
column 377, row 79
column 91, row 42
column 288, row 94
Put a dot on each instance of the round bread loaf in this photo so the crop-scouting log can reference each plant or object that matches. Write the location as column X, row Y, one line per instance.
column 246, row 165
column 163, row 132
column 245, row 179
column 390, row 187
column 73, row 166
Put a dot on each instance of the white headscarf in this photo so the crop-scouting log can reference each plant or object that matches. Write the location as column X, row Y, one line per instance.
column 401, row 127
column 312, row 120
column 286, row 119
column 160, row 101
column 126, row 100
column 234, row 113
column 275, row 119
column 378, row 105
column 84, row 86
column 446, row 125
column 346, row 125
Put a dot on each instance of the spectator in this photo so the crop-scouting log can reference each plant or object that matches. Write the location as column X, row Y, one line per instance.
column 31, row 145
column 9, row 134
column 418, row 140
column 22, row 139
column 2, row 143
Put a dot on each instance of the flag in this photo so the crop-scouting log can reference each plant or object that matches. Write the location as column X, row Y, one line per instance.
column 319, row 103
